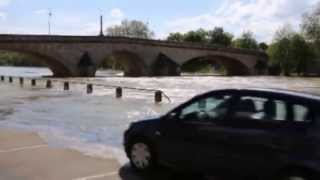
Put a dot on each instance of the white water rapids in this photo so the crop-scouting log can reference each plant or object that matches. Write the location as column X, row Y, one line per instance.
column 94, row 124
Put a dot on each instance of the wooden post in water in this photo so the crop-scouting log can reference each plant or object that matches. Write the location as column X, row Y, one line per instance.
column 33, row 82
column 118, row 92
column 2, row 78
column 49, row 84
column 158, row 97
column 21, row 80
column 10, row 79
column 66, row 86
column 89, row 88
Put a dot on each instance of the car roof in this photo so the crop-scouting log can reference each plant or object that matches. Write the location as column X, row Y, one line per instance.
column 284, row 92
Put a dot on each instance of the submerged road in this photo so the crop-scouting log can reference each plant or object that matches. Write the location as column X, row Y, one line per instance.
column 25, row 156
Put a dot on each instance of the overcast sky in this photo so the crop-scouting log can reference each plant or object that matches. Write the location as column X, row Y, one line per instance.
column 81, row 17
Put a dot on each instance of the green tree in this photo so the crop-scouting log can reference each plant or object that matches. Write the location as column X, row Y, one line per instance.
column 290, row 52
column 280, row 54
column 246, row 41
column 311, row 25
column 133, row 29
column 8, row 58
column 311, row 29
column 176, row 37
column 220, row 37
column 263, row 46
column 302, row 54
column 199, row 36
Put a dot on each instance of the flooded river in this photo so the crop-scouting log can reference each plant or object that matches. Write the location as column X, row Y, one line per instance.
column 94, row 124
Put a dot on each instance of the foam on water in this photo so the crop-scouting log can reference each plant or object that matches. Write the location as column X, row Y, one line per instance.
column 94, row 124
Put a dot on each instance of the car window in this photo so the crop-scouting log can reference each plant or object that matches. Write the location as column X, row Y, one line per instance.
column 259, row 108
column 206, row 109
column 301, row 113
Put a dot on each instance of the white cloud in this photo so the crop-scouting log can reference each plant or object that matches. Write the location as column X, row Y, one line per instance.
column 41, row 11
column 3, row 16
column 263, row 17
column 4, row 3
column 116, row 13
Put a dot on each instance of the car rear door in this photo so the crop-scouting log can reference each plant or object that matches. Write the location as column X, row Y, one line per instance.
column 260, row 133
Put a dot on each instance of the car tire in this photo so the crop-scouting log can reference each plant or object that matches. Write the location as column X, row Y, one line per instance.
column 297, row 175
column 142, row 156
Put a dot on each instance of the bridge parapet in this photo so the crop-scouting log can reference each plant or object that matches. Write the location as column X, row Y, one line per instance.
column 63, row 53
column 5, row 38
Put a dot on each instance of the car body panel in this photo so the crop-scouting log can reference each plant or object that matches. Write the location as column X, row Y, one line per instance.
column 239, row 146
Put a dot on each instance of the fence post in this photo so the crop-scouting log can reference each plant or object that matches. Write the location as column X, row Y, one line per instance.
column 158, row 97
column 89, row 88
column 2, row 78
column 33, row 82
column 10, row 79
column 118, row 92
column 66, row 86
column 21, row 80
column 49, row 84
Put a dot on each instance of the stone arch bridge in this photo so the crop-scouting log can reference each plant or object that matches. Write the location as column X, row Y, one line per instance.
column 76, row 56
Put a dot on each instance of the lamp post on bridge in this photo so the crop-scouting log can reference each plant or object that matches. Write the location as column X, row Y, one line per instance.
column 49, row 21
column 101, row 25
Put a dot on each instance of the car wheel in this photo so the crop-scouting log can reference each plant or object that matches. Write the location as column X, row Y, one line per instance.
column 141, row 155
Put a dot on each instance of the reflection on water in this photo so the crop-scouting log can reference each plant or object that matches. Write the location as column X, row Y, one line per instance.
column 95, row 123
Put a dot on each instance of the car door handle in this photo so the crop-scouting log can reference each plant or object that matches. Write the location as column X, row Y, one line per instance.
column 157, row 133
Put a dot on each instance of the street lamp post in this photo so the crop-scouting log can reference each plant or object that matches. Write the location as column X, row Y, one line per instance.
column 101, row 25
column 49, row 21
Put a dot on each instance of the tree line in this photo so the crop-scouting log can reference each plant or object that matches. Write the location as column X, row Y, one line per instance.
column 290, row 52
column 8, row 58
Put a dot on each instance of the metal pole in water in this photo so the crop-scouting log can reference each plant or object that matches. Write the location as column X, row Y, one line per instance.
column 10, row 79
column 89, row 89
column 49, row 84
column 21, row 80
column 33, row 82
column 118, row 92
column 66, row 86
column 2, row 78
column 158, row 97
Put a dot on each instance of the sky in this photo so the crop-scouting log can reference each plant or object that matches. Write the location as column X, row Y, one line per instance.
column 81, row 17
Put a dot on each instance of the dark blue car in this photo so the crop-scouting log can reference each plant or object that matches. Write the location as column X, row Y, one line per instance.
column 271, row 134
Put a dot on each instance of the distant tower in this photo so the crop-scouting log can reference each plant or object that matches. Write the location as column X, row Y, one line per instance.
column 101, row 25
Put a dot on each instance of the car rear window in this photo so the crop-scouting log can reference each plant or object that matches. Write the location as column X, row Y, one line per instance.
column 262, row 108
column 301, row 113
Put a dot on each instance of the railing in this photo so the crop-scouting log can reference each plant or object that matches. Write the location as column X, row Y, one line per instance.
column 158, row 94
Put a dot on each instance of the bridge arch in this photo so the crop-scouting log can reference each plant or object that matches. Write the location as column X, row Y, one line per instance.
column 232, row 66
column 130, row 63
column 58, row 69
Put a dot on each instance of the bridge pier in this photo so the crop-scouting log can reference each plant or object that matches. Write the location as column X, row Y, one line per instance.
column 86, row 67
column 165, row 66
